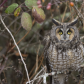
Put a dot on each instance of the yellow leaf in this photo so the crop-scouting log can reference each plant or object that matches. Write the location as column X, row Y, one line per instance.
column 17, row 12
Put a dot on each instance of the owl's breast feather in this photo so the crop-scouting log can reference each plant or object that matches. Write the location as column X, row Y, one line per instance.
column 62, row 60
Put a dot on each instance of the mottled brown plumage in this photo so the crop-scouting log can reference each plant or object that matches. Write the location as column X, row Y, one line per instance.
column 63, row 50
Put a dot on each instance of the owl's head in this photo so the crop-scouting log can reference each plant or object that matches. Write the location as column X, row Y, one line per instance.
column 65, row 32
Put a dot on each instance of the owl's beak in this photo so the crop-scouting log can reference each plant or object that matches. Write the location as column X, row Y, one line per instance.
column 64, row 37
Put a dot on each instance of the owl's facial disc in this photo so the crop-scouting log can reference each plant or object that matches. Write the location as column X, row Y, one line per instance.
column 59, row 33
column 65, row 35
column 71, row 33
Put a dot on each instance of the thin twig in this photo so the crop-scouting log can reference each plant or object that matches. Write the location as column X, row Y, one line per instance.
column 42, row 76
column 37, row 58
column 3, row 3
column 39, row 73
column 16, row 47
column 35, row 65
column 19, row 41
column 79, row 14
column 2, row 68
column 64, row 13
column 38, row 67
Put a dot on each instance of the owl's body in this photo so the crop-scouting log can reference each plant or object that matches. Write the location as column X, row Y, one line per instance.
column 64, row 58
column 63, row 51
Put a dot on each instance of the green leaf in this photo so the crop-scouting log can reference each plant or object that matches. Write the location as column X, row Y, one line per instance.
column 11, row 8
column 26, row 21
column 30, row 3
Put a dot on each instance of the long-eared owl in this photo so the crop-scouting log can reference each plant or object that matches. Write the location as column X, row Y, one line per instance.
column 63, row 50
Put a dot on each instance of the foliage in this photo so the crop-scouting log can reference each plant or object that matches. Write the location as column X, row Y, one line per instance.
column 30, row 3
column 11, row 8
column 38, row 14
column 17, row 11
column 26, row 21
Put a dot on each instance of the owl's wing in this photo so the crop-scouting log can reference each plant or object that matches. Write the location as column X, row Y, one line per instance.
column 46, row 39
column 82, row 53
column 46, row 43
column 46, row 46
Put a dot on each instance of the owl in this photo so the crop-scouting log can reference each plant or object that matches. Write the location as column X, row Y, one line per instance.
column 63, row 50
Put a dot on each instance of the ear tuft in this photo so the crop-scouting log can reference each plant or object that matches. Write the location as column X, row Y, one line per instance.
column 57, row 23
column 73, row 22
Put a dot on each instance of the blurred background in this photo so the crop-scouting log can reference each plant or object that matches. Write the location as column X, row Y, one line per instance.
column 12, row 70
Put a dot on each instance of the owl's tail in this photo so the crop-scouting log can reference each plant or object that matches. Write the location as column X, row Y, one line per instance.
column 58, row 79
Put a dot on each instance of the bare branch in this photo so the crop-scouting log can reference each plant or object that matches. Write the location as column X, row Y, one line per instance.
column 16, row 47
